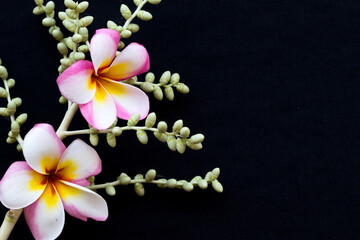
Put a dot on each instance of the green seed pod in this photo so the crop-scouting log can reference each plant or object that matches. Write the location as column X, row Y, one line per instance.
column 202, row 184
column 142, row 136
column 62, row 48
column 10, row 140
column 49, row 7
column 208, row 177
column 11, row 108
column 110, row 190
column 19, row 148
column 182, row 88
column 180, row 145
column 160, row 136
column 188, row 187
column 3, row 92
column 150, row 77
column 83, row 48
column 175, row 78
column 65, row 62
column 177, row 126
column 125, row 11
column 111, row 25
column 139, row 189
column 147, row 87
column 125, row 34
column 165, row 78
column 111, row 140
column 169, row 93
column 197, row 138
column 76, row 38
column 57, row 34
column 82, row 7
column 3, row 73
column 79, row 56
column 121, row 45
column 38, row 10
column 116, row 131
column 10, row 83
column 154, row 1
column 162, row 126
column 70, row 4
column 162, row 183
column 144, row 15
column 137, row 2
column 62, row 16
column 217, row 186
column 94, row 139
column 86, row 21
column 134, row 119
column 184, row 132
column 171, row 142
column 171, row 183
column 69, row 25
column 21, row 119
column 158, row 94
column 17, row 101
column 4, row 112
column 150, row 175
column 196, row 146
column 215, row 173
column 150, row 120
column 133, row 27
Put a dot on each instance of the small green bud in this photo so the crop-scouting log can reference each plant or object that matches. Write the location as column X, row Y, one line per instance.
column 94, row 139
column 82, row 7
column 180, row 145
column 71, row 13
column 3, row 73
column 17, row 101
column 150, row 120
column 150, row 77
column 124, row 179
column 121, row 45
column 208, row 177
column 12, row 134
column 49, row 7
column 116, row 131
column 177, row 126
column 160, row 136
column 3, row 92
column 139, row 189
column 111, row 140
column 86, row 21
column 139, row 176
column 39, row 2
column 10, row 140
column 57, row 34
column 158, row 94
column 110, row 190
column 133, row 27
column 162, row 183
column 125, row 11
column 19, row 148
column 69, row 42
column 165, row 78
column 144, row 15
column 10, row 83
column 62, row 48
column 150, row 175
column 147, row 87
column 83, row 48
column 69, row 25
column 134, row 119
column 181, row 183
column 79, row 56
column 184, row 132
column 154, row 1
column 202, row 184
column 175, row 78
column 65, row 62
column 111, row 25
column 169, row 93
column 162, row 126
column 11, row 108
column 196, row 179
column 197, row 138
column 70, row 4
column 119, row 29
column 91, row 180
column 76, row 38
column 215, row 173
column 171, row 183
column 142, row 136
column 38, row 10
column 125, row 34
column 21, row 119
column 188, row 186
column 4, row 112
column 217, row 186
column 196, row 146
column 171, row 142
column 15, row 127
column 182, row 88
column 84, row 32
column 62, row 16
column 137, row 2
column 131, row 80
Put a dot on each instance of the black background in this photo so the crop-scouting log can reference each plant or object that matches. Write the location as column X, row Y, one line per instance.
column 275, row 88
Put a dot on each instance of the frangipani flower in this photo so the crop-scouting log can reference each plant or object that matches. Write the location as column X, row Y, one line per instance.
column 93, row 85
column 50, row 180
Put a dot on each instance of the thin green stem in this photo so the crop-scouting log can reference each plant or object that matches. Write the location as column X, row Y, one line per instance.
column 134, row 14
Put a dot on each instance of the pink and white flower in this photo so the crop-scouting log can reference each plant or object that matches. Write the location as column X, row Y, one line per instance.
column 50, row 180
column 95, row 87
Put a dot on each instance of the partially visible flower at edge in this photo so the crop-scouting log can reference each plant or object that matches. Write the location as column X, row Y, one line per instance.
column 50, row 180
column 93, row 85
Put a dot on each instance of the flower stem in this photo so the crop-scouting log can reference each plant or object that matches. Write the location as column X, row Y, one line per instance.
column 67, row 120
column 134, row 14
column 9, row 222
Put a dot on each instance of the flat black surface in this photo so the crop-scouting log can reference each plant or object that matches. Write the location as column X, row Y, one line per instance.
column 275, row 88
